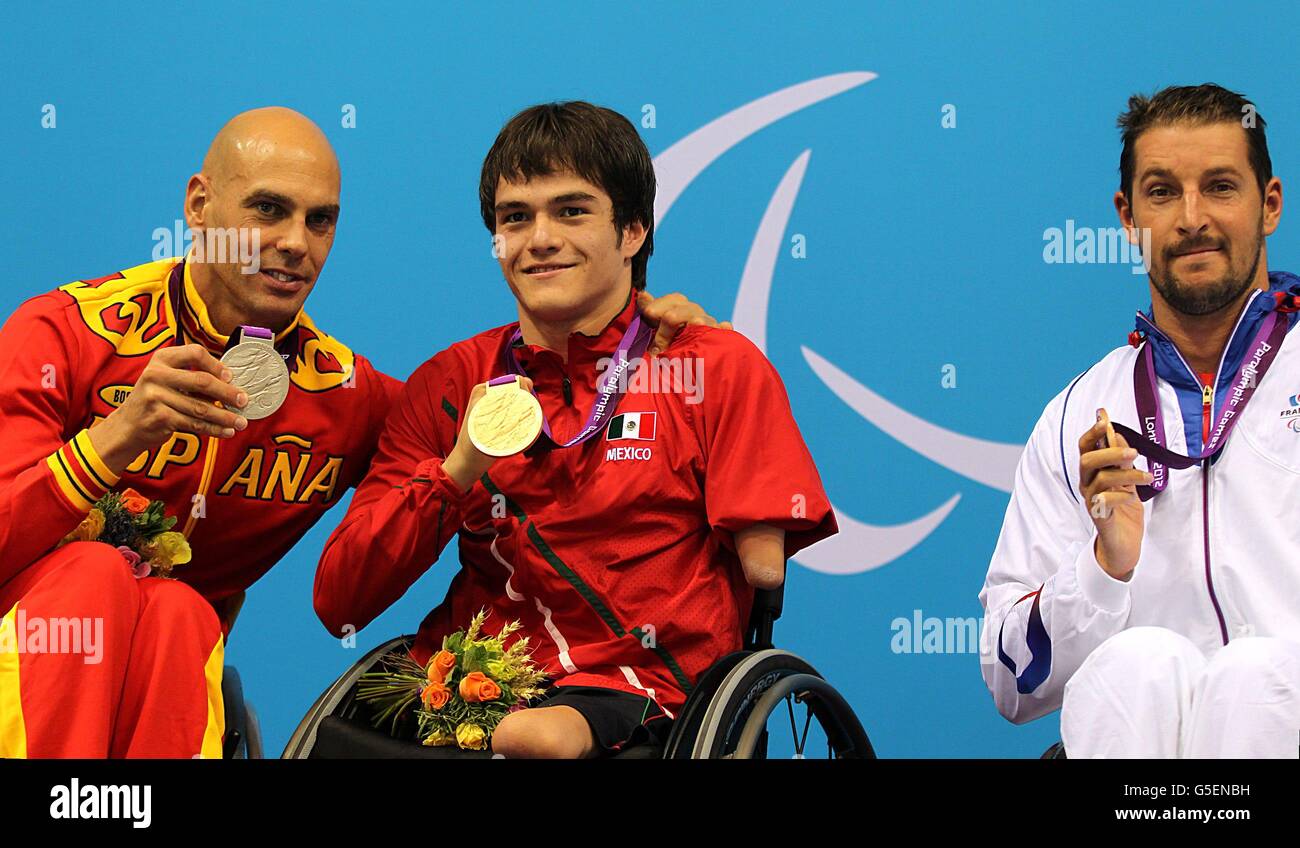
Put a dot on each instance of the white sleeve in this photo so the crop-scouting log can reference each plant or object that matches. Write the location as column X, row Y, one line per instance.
column 1047, row 602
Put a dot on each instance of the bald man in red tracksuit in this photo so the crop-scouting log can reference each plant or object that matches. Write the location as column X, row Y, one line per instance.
column 148, row 683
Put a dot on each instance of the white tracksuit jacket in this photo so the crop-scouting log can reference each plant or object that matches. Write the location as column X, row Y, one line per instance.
column 1221, row 546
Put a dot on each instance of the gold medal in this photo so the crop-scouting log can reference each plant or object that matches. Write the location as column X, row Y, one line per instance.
column 506, row 420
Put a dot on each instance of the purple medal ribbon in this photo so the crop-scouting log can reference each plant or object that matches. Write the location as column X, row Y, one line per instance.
column 176, row 282
column 248, row 331
column 252, row 332
column 633, row 345
column 1151, row 443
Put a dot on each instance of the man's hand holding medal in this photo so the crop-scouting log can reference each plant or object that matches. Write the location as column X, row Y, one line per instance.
column 503, row 418
column 179, row 390
column 187, row 389
column 1108, row 481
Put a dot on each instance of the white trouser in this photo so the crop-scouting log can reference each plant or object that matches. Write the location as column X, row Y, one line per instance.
column 1149, row 692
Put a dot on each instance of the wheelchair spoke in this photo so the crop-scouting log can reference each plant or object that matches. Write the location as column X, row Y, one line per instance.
column 803, row 740
column 800, row 740
column 794, row 733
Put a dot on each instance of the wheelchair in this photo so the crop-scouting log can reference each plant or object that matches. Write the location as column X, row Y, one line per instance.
column 726, row 714
column 243, row 739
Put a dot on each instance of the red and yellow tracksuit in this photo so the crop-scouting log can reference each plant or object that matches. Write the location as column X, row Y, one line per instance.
column 94, row 662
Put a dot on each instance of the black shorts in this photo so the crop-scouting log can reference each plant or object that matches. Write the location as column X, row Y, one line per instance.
column 618, row 720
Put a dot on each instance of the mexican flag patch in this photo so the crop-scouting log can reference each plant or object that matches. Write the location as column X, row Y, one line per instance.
column 632, row 425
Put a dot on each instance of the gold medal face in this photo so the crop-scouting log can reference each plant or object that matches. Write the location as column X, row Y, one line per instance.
column 262, row 374
column 505, row 421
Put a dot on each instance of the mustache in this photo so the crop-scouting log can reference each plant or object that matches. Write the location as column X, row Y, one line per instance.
column 1190, row 245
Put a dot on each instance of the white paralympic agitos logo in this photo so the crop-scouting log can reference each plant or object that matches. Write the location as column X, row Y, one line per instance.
column 858, row 546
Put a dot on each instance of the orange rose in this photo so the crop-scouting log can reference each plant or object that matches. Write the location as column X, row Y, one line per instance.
column 134, row 502
column 435, row 696
column 441, row 666
column 477, row 686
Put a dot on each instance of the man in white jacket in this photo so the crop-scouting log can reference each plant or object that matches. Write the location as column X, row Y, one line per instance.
column 1156, row 601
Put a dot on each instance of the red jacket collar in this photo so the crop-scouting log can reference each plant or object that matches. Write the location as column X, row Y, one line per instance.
column 583, row 349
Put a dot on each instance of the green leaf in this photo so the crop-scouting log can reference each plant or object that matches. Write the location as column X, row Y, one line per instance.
column 474, row 658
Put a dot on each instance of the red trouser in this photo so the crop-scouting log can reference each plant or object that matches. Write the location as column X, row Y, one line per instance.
column 95, row 663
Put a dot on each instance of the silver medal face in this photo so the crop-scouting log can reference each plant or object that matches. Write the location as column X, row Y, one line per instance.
column 261, row 373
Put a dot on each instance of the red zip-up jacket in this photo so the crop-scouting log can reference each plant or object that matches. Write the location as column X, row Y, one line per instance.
column 71, row 356
column 616, row 554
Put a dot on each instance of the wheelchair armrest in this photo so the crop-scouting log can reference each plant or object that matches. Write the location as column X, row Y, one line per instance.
column 763, row 614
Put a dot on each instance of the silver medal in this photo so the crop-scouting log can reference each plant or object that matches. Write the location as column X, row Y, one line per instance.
column 260, row 371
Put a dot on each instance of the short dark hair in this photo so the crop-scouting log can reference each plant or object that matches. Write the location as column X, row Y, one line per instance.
column 597, row 144
column 1195, row 104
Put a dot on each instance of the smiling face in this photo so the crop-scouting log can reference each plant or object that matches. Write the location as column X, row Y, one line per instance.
column 271, row 173
column 560, row 252
column 1194, row 189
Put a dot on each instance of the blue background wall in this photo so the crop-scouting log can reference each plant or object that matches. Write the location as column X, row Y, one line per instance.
column 924, row 244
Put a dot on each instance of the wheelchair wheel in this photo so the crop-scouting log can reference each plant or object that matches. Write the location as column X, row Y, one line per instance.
column 253, row 741
column 243, row 740
column 686, row 728
column 338, row 700
column 761, row 696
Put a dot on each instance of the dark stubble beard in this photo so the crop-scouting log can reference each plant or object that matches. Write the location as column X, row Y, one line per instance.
column 1207, row 298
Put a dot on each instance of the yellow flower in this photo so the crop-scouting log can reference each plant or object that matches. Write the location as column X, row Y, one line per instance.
column 171, row 548
column 471, row 737
column 89, row 528
column 438, row 739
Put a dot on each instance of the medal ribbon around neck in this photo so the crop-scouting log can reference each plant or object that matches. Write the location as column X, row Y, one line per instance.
column 175, row 284
column 631, row 348
column 1151, row 444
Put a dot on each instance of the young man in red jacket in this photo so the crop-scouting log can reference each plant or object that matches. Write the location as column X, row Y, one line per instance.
column 114, row 383
column 629, row 537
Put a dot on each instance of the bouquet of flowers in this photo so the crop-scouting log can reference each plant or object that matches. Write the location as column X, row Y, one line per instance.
column 463, row 693
column 137, row 527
